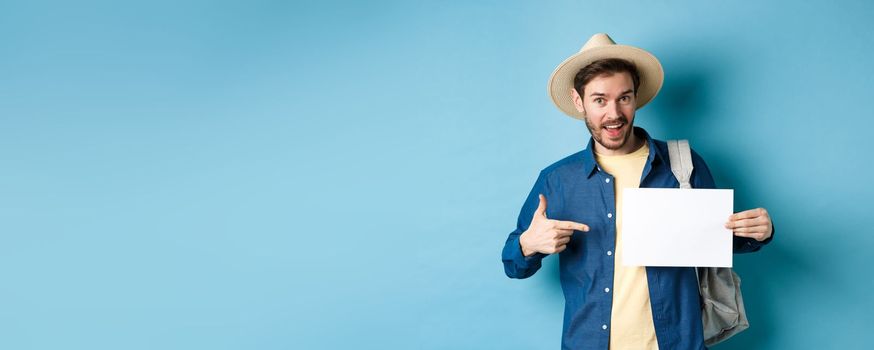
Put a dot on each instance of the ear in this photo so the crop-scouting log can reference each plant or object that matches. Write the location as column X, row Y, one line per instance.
column 578, row 101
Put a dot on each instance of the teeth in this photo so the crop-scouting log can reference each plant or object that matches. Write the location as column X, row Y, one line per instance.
column 613, row 126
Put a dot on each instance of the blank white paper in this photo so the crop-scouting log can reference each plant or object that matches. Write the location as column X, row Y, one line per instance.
column 676, row 227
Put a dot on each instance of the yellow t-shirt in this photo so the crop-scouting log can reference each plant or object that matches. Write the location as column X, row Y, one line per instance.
column 631, row 320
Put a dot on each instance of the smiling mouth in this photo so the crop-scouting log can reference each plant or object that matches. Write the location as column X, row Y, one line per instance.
column 613, row 130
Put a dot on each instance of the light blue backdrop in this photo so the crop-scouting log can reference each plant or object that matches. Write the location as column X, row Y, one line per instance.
column 336, row 175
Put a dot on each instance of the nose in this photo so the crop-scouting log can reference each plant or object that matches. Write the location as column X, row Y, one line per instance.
column 613, row 111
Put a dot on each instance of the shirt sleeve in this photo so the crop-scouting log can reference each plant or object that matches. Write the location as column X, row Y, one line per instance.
column 516, row 265
column 702, row 178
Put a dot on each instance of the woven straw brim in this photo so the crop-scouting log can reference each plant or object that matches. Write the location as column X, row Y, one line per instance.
column 562, row 80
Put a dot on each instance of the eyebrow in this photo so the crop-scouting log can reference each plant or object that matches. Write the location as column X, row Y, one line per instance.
column 603, row 94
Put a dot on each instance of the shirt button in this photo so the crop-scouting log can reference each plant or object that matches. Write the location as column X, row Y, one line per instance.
column 606, row 290
column 607, row 180
column 609, row 252
column 609, row 215
column 604, row 326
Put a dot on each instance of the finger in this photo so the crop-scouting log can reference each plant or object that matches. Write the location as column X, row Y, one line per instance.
column 757, row 236
column 563, row 233
column 562, row 241
column 747, row 214
column 757, row 221
column 560, row 249
column 541, row 207
column 570, row 225
column 754, row 229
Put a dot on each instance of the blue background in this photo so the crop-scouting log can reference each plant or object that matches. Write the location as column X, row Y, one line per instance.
column 332, row 175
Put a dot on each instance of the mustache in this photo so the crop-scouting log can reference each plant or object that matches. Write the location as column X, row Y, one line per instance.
column 620, row 120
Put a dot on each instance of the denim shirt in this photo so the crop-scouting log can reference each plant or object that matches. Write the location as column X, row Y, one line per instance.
column 578, row 190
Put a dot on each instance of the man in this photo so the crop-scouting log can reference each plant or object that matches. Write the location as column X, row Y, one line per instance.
column 575, row 206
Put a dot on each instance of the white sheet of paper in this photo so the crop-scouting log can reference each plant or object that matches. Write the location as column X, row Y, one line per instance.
column 676, row 227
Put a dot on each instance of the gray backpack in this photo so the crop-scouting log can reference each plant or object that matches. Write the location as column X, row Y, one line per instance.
column 722, row 310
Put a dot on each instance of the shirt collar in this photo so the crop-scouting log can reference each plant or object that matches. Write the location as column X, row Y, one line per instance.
column 656, row 154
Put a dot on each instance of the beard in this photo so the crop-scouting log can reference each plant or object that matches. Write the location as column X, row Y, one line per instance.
column 597, row 133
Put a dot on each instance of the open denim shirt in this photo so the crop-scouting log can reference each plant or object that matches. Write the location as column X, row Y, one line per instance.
column 578, row 190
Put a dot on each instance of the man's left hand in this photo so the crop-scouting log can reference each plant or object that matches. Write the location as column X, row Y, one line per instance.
column 753, row 223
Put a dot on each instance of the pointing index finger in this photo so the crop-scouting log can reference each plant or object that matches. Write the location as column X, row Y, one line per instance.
column 570, row 225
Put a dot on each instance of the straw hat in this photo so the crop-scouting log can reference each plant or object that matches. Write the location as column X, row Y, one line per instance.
column 600, row 46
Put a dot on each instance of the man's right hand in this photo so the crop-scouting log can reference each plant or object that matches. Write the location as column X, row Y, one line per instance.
column 547, row 236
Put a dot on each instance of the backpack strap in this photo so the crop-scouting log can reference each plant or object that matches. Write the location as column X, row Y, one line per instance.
column 681, row 166
column 716, row 285
column 681, row 161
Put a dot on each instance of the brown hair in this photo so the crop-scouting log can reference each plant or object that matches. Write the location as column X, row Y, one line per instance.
column 608, row 67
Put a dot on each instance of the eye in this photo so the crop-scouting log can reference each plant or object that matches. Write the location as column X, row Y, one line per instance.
column 599, row 100
column 625, row 99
